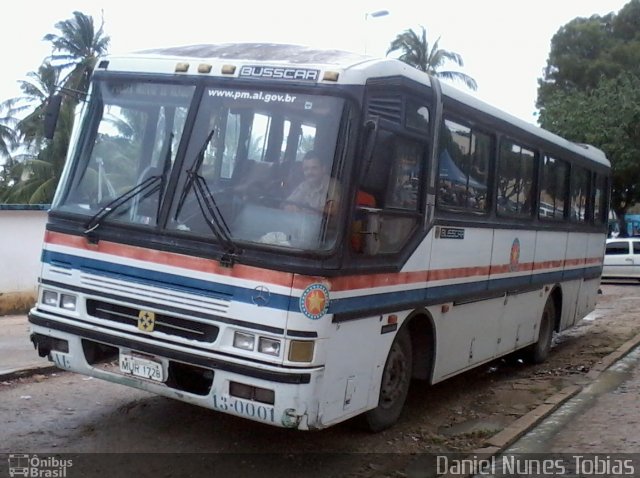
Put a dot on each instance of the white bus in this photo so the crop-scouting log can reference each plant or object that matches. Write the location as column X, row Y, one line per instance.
column 443, row 234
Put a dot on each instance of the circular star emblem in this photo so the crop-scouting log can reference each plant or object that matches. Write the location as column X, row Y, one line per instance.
column 514, row 257
column 314, row 301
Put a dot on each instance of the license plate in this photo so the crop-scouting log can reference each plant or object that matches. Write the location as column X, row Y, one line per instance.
column 141, row 367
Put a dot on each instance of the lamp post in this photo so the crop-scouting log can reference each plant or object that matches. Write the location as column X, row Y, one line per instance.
column 376, row 14
column 367, row 15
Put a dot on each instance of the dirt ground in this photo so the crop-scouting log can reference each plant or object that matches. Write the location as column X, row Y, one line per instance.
column 458, row 415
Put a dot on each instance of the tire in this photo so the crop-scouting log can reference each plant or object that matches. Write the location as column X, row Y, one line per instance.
column 394, row 388
column 538, row 352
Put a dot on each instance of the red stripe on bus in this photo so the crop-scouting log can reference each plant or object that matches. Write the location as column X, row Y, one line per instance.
column 548, row 265
column 171, row 259
column 301, row 282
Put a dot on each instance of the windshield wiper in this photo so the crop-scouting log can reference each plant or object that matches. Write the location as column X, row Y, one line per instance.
column 208, row 206
column 149, row 185
column 214, row 218
column 195, row 167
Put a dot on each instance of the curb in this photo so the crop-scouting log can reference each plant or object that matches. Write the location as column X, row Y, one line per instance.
column 506, row 437
column 27, row 372
column 509, row 435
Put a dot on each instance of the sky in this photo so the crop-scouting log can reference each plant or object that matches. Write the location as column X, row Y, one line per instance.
column 504, row 43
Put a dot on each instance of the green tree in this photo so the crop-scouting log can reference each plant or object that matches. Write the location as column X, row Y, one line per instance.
column 78, row 45
column 607, row 116
column 590, row 92
column 579, row 57
column 415, row 51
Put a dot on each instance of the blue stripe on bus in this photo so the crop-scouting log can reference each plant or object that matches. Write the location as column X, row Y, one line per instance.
column 449, row 293
column 385, row 300
column 214, row 290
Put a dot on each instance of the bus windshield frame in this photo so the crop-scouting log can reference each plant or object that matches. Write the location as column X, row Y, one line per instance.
column 210, row 162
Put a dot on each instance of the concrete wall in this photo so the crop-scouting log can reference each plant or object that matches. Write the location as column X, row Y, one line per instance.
column 21, row 234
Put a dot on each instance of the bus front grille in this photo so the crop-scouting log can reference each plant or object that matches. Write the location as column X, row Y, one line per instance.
column 170, row 325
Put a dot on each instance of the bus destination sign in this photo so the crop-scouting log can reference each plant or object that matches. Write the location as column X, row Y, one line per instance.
column 279, row 73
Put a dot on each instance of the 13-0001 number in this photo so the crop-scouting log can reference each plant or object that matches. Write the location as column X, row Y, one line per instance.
column 248, row 409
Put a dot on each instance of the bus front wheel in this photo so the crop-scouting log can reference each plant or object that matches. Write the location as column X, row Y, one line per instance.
column 394, row 388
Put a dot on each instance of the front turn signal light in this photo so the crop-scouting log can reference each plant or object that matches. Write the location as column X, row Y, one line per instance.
column 301, row 350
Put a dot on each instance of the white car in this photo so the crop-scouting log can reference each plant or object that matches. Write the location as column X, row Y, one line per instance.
column 622, row 258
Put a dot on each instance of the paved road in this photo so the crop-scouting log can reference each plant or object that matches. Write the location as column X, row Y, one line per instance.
column 611, row 424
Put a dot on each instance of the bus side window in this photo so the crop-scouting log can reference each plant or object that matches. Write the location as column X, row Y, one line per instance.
column 394, row 177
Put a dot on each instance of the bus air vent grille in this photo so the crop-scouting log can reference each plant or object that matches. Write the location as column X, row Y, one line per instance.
column 212, row 303
column 386, row 107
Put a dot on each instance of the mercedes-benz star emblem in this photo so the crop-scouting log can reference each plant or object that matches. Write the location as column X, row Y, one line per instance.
column 261, row 296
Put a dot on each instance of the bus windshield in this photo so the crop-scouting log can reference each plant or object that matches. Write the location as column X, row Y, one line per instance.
column 255, row 166
column 260, row 169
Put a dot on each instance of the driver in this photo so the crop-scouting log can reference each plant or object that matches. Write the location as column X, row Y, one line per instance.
column 318, row 191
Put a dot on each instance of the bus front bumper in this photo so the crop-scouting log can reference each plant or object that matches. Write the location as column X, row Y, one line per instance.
column 266, row 393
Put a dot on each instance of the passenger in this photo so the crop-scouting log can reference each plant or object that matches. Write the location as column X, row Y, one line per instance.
column 319, row 191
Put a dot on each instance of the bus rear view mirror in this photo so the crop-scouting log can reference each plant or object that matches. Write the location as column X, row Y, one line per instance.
column 51, row 115
column 369, row 141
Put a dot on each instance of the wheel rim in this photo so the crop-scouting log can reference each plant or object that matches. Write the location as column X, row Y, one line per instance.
column 394, row 378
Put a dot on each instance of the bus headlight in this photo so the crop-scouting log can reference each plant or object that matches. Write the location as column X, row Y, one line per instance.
column 50, row 298
column 68, row 302
column 243, row 341
column 301, row 350
column 269, row 346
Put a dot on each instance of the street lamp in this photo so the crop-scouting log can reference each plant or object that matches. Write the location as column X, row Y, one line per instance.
column 376, row 14
column 367, row 15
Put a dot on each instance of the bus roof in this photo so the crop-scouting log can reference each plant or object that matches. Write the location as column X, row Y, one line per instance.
column 353, row 68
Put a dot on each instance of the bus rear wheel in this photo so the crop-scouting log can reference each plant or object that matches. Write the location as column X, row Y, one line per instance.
column 538, row 352
column 394, row 388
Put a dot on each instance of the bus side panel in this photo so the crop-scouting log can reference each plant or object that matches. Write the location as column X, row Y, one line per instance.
column 551, row 249
column 574, row 269
column 459, row 270
column 588, row 295
column 355, row 358
column 465, row 336
column 459, row 266
column 512, row 262
column 520, row 320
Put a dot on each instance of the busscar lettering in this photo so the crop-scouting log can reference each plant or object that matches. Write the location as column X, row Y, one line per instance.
column 451, row 233
column 279, row 73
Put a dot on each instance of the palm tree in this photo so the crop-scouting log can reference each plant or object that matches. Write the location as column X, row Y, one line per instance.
column 7, row 136
column 7, row 143
column 36, row 91
column 79, row 45
column 26, row 171
column 416, row 52
column 35, row 175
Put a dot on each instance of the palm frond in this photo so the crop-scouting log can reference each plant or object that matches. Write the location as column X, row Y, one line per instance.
column 414, row 50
